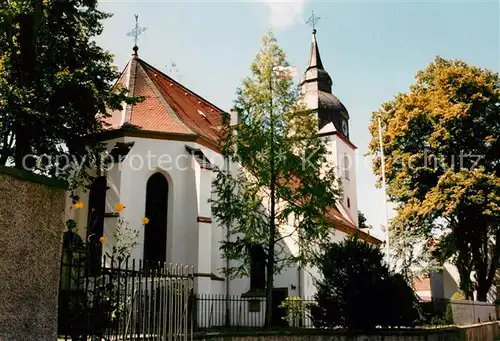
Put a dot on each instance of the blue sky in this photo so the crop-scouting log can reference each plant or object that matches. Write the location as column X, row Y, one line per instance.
column 372, row 49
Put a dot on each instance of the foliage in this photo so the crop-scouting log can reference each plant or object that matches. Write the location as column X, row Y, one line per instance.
column 125, row 239
column 441, row 142
column 458, row 296
column 295, row 309
column 56, row 85
column 362, row 221
column 357, row 291
column 281, row 182
column 436, row 312
column 413, row 256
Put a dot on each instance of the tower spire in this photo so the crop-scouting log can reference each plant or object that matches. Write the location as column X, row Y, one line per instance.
column 316, row 85
column 135, row 33
column 314, row 57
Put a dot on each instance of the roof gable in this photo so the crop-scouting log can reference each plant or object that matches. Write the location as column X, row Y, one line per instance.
column 168, row 107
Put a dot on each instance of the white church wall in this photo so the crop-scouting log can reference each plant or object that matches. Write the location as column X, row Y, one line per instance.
column 170, row 158
column 188, row 241
column 350, row 197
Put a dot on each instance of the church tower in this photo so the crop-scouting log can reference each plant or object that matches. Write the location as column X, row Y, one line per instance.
column 333, row 121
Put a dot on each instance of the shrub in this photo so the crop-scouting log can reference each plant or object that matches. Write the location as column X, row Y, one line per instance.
column 294, row 307
column 458, row 296
column 357, row 291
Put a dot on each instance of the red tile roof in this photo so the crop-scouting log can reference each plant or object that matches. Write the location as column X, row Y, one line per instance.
column 337, row 219
column 344, row 225
column 168, row 107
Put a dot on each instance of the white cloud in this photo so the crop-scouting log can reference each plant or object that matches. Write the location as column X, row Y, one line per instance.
column 284, row 14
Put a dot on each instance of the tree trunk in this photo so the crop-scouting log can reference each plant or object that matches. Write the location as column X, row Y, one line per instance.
column 484, row 283
column 272, row 218
column 270, row 278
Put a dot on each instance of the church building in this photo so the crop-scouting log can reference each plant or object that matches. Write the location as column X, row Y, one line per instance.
column 161, row 155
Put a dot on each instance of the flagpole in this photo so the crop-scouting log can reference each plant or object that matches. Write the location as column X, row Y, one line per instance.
column 384, row 190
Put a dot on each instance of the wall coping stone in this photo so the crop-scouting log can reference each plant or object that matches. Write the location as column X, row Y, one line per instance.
column 343, row 332
column 36, row 178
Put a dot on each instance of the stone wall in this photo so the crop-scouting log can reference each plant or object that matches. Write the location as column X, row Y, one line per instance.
column 470, row 312
column 31, row 227
column 480, row 332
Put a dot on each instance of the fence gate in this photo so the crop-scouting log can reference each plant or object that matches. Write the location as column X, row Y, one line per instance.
column 124, row 300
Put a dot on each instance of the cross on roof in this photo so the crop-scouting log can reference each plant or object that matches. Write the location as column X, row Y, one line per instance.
column 136, row 32
column 313, row 20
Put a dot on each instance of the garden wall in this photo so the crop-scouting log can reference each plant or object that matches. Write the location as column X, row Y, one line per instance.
column 480, row 332
column 470, row 312
column 31, row 228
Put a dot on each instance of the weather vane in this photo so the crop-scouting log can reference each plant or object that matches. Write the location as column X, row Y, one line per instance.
column 136, row 32
column 313, row 20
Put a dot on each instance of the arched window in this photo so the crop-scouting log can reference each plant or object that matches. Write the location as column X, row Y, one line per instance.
column 95, row 220
column 347, row 165
column 155, row 234
column 257, row 268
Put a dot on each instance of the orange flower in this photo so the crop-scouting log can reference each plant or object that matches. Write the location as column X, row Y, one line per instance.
column 119, row 207
column 102, row 239
column 78, row 204
column 145, row 220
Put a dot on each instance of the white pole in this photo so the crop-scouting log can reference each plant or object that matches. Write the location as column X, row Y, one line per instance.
column 382, row 161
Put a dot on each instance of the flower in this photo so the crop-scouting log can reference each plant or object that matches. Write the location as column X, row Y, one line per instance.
column 119, row 207
column 78, row 204
column 145, row 220
column 102, row 239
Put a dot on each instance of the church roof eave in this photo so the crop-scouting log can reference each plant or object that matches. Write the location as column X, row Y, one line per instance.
column 111, row 134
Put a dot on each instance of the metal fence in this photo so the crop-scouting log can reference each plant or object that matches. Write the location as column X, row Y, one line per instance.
column 134, row 300
column 213, row 313
column 220, row 312
column 124, row 300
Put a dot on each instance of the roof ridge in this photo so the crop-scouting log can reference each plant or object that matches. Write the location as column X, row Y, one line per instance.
column 179, row 84
column 131, row 79
column 162, row 99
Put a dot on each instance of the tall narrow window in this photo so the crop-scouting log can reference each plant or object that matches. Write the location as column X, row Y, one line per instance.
column 155, row 235
column 347, row 165
column 257, row 268
column 95, row 220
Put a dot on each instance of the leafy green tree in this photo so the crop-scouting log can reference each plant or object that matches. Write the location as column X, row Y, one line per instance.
column 357, row 291
column 362, row 224
column 280, row 186
column 55, row 84
column 442, row 148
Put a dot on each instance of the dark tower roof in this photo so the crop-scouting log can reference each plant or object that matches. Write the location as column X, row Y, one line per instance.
column 316, row 85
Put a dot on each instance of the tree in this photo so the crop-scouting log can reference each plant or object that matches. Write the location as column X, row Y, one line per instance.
column 442, row 148
column 281, row 175
column 55, row 85
column 355, row 280
column 362, row 221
